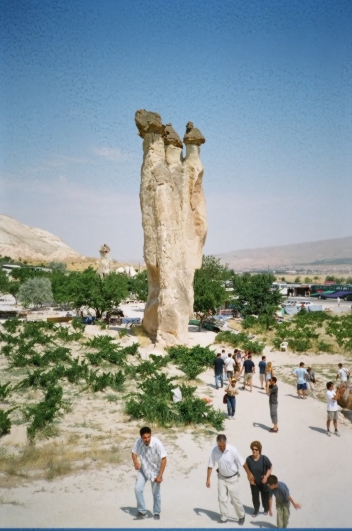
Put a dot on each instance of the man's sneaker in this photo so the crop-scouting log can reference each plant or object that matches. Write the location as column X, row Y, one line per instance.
column 328, row 433
column 222, row 520
column 141, row 515
column 254, row 515
column 156, row 516
column 337, row 433
column 241, row 520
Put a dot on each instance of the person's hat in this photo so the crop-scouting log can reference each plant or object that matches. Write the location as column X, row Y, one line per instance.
column 233, row 380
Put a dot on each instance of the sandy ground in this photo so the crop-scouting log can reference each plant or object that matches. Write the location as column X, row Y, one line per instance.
column 317, row 469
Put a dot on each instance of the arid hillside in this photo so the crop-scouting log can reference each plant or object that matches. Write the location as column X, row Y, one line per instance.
column 313, row 254
column 19, row 241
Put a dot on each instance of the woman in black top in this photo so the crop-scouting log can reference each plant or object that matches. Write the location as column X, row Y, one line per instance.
column 260, row 468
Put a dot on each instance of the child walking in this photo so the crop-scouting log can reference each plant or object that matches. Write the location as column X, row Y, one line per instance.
column 283, row 499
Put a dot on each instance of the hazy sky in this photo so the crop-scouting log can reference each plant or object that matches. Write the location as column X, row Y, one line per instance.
column 269, row 84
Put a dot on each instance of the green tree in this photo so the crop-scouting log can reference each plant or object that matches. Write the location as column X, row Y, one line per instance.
column 209, row 287
column 35, row 291
column 13, row 288
column 58, row 266
column 253, row 295
column 4, row 281
column 88, row 289
column 307, row 280
column 138, row 285
column 298, row 280
column 25, row 273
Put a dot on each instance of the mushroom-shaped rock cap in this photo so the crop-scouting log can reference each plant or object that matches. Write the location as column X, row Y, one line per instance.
column 104, row 248
column 148, row 122
column 171, row 137
column 193, row 135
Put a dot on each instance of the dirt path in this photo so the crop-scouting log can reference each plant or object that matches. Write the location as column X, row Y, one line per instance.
column 317, row 469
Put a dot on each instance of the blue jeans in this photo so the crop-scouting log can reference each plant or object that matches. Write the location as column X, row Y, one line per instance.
column 217, row 376
column 139, row 487
column 231, row 406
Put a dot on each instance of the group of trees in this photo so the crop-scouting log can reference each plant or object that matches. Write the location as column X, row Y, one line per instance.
column 213, row 283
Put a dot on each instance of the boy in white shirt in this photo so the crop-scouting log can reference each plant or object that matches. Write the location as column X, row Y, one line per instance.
column 332, row 397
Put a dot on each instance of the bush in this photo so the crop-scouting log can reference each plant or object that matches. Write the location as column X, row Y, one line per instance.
column 192, row 361
column 77, row 324
column 5, row 422
column 162, row 411
column 323, row 346
column 239, row 341
column 299, row 344
column 5, row 390
column 44, row 412
column 11, row 325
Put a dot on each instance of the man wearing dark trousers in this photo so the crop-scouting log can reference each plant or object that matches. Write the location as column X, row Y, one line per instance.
column 219, row 370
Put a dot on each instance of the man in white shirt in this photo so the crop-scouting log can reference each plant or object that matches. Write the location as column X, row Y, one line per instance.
column 229, row 365
column 332, row 397
column 224, row 357
column 342, row 373
column 229, row 463
column 152, row 455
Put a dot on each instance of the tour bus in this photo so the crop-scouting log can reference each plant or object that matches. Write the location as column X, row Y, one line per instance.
column 331, row 291
column 281, row 286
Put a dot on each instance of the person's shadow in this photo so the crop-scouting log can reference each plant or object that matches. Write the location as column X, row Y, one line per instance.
column 262, row 524
column 262, row 426
column 132, row 511
column 320, row 430
column 215, row 517
column 211, row 514
column 293, row 396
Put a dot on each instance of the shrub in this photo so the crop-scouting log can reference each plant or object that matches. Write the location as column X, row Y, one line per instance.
column 192, row 361
column 77, row 324
column 123, row 333
column 44, row 412
column 5, row 390
column 11, row 325
column 5, row 422
column 240, row 341
column 300, row 344
column 323, row 346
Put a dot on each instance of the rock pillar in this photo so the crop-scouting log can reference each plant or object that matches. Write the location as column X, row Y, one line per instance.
column 174, row 225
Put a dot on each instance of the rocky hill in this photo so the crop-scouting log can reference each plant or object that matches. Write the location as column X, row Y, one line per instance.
column 29, row 243
column 336, row 252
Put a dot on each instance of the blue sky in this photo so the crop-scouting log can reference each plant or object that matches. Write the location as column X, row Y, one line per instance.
column 269, row 83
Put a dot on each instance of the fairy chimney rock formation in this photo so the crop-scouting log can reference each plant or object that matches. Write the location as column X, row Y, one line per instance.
column 104, row 262
column 174, row 224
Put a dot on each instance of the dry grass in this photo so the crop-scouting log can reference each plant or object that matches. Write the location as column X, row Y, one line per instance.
column 4, row 501
column 55, row 459
column 143, row 337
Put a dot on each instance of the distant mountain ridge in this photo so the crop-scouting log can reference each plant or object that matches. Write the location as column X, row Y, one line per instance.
column 322, row 252
column 20, row 241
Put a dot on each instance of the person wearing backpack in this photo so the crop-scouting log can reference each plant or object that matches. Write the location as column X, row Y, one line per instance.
column 343, row 374
column 310, row 379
